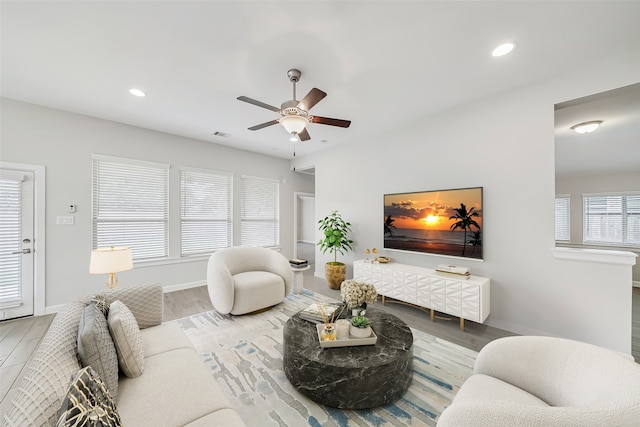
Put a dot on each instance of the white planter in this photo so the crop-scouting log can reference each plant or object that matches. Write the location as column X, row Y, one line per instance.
column 360, row 332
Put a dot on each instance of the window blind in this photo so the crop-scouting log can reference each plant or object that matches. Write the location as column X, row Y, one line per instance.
column 131, row 206
column 612, row 219
column 10, row 237
column 563, row 218
column 259, row 211
column 205, row 211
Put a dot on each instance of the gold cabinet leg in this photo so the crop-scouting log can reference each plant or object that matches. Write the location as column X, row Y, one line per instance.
column 462, row 324
column 382, row 299
column 432, row 314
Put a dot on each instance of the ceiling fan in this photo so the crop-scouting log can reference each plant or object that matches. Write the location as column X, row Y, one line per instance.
column 295, row 114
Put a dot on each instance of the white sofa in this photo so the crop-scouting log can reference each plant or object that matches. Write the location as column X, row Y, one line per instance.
column 175, row 389
column 244, row 279
column 542, row 381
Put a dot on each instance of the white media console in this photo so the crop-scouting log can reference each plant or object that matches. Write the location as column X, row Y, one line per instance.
column 425, row 287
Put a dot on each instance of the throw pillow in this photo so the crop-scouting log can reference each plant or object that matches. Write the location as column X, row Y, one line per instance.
column 88, row 403
column 126, row 337
column 96, row 349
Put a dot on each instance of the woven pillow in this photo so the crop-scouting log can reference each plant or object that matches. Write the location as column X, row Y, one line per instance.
column 96, row 349
column 126, row 337
column 88, row 403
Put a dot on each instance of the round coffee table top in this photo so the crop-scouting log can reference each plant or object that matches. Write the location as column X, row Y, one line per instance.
column 350, row 377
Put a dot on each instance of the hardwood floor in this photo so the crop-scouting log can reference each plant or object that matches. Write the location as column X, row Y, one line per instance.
column 20, row 337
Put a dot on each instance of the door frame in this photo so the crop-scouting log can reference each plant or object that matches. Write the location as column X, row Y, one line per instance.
column 297, row 195
column 39, row 222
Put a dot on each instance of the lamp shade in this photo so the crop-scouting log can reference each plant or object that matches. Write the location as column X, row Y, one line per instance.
column 294, row 124
column 110, row 260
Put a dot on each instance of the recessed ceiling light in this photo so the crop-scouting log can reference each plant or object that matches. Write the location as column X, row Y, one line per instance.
column 587, row 127
column 137, row 92
column 503, row 49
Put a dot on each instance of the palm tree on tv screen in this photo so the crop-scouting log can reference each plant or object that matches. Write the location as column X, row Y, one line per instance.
column 465, row 221
column 475, row 241
column 388, row 226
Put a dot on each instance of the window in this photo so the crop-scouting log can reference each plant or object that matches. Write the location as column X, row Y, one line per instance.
column 260, row 213
column 131, row 206
column 612, row 219
column 563, row 217
column 10, row 236
column 205, row 211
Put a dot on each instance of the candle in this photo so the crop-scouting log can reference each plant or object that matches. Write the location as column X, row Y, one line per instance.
column 342, row 328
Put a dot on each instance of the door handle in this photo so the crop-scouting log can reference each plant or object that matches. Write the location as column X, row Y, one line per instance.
column 24, row 251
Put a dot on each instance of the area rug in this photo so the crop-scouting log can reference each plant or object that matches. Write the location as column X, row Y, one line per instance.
column 244, row 354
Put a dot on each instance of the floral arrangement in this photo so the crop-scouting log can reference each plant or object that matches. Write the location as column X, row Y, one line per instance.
column 356, row 294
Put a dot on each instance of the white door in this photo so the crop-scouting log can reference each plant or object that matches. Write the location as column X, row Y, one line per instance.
column 16, row 243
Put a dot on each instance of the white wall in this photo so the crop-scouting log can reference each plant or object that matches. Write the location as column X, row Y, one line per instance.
column 506, row 145
column 63, row 142
column 576, row 186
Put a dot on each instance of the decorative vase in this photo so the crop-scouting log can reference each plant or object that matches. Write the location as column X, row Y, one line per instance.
column 335, row 273
column 356, row 332
column 360, row 310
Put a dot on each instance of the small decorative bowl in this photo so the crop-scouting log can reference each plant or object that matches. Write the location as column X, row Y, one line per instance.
column 383, row 259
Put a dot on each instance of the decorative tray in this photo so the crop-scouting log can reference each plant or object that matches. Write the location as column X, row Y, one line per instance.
column 346, row 342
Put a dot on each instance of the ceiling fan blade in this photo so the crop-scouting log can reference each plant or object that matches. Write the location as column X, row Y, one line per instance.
column 264, row 125
column 314, row 96
column 258, row 103
column 331, row 122
column 304, row 135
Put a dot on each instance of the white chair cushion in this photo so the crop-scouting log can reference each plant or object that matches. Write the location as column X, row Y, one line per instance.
column 255, row 290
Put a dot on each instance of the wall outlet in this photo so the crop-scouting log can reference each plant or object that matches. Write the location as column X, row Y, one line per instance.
column 65, row 220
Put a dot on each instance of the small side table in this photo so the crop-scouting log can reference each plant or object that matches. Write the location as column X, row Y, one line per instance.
column 298, row 278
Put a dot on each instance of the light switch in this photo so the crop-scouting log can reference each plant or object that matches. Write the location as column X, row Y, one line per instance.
column 64, row 220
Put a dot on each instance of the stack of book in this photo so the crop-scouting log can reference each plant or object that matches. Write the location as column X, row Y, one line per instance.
column 453, row 269
column 298, row 263
column 319, row 312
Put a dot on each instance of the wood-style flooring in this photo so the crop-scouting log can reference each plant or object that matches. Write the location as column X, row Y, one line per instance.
column 20, row 337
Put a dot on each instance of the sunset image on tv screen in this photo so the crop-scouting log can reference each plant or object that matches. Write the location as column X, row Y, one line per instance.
column 447, row 222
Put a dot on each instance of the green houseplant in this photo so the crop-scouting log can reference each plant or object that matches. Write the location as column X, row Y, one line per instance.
column 336, row 240
column 360, row 327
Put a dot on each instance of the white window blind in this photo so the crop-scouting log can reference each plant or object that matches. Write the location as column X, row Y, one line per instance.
column 612, row 219
column 10, row 237
column 260, row 212
column 205, row 211
column 563, row 218
column 131, row 206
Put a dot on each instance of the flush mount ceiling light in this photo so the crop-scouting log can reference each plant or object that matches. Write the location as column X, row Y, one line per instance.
column 587, row 127
column 137, row 92
column 504, row 49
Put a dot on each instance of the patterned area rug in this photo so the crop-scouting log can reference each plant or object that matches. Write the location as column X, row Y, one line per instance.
column 244, row 354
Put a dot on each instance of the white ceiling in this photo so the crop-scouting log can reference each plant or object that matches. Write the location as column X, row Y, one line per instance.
column 382, row 63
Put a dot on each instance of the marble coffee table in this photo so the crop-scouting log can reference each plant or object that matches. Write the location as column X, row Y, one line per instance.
column 350, row 377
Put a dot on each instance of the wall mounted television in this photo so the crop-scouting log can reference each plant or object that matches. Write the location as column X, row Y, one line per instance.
column 443, row 222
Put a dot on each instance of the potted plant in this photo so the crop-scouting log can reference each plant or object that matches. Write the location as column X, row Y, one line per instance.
column 360, row 327
column 336, row 240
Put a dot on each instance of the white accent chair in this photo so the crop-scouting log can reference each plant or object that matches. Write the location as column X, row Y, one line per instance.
column 543, row 381
column 244, row 279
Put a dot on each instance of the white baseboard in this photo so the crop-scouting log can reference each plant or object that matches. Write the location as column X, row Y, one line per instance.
column 636, row 284
column 181, row 286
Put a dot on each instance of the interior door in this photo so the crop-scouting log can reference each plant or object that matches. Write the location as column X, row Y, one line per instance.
column 16, row 243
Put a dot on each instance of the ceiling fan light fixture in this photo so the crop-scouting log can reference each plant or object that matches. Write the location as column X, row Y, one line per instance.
column 294, row 124
column 587, row 127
